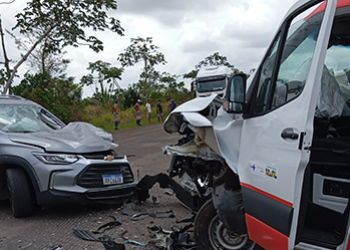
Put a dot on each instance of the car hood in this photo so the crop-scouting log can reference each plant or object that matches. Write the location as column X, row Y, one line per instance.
column 76, row 137
column 195, row 105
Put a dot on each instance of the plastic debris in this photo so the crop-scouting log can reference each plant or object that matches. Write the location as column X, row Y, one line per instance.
column 108, row 226
column 157, row 215
column 106, row 240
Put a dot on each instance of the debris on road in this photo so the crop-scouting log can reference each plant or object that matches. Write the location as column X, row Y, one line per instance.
column 136, row 243
column 181, row 239
column 108, row 226
column 194, row 202
column 155, row 215
column 58, row 247
column 136, row 213
column 107, row 241
column 178, row 239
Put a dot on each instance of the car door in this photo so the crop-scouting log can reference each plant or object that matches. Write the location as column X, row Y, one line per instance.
column 278, row 124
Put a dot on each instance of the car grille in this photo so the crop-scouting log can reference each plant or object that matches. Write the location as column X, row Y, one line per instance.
column 98, row 155
column 92, row 176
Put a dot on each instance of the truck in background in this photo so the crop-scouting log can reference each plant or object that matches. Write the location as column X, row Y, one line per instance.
column 212, row 79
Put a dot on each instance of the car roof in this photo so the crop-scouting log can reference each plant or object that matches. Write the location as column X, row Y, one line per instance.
column 13, row 99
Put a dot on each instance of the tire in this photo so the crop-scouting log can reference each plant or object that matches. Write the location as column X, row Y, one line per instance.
column 210, row 232
column 20, row 193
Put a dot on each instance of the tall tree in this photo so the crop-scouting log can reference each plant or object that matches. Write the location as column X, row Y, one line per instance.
column 5, row 73
column 143, row 50
column 43, row 60
column 63, row 23
column 214, row 60
column 104, row 78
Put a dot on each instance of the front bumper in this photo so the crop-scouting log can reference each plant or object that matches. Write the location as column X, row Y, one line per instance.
column 81, row 183
column 112, row 196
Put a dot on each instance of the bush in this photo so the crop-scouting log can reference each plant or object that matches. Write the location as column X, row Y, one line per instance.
column 61, row 96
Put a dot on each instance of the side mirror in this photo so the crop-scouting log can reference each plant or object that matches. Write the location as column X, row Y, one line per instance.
column 235, row 94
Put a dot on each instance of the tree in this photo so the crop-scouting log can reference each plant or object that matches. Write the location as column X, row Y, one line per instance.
column 173, row 89
column 63, row 23
column 214, row 60
column 128, row 96
column 6, row 72
column 60, row 96
column 43, row 59
column 143, row 50
column 104, row 78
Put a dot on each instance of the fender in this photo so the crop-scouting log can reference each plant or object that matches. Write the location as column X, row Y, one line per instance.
column 15, row 161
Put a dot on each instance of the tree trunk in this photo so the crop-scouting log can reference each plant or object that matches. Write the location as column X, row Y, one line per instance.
column 24, row 58
column 6, row 60
column 43, row 69
column 146, row 70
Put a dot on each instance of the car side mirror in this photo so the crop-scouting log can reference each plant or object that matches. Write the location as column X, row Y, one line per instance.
column 236, row 94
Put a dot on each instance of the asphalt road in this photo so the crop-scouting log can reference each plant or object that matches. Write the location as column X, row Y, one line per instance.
column 51, row 228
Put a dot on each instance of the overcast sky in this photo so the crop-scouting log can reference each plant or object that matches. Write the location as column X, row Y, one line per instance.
column 185, row 30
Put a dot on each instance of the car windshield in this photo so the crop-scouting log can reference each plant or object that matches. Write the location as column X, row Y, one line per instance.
column 26, row 119
column 211, row 85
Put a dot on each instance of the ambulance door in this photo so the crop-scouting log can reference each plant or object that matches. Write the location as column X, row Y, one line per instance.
column 278, row 124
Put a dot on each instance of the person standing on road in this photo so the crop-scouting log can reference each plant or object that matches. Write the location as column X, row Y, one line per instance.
column 172, row 105
column 137, row 108
column 148, row 111
column 115, row 111
column 159, row 111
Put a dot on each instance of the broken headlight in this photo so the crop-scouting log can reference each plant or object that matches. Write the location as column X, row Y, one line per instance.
column 56, row 159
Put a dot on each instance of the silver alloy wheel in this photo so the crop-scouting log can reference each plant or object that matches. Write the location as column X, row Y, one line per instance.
column 221, row 239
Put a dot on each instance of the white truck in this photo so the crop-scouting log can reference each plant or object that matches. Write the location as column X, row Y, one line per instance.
column 212, row 79
column 276, row 155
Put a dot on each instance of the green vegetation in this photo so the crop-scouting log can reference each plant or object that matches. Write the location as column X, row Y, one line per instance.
column 43, row 30
column 63, row 97
column 101, row 116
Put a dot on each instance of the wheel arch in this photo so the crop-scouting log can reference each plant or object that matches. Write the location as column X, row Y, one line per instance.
column 8, row 161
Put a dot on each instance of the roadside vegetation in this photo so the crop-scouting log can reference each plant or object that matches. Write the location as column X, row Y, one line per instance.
column 44, row 30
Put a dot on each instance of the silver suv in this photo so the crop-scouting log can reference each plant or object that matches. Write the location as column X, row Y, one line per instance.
column 45, row 162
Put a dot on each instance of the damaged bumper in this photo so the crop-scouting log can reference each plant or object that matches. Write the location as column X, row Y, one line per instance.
column 113, row 196
column 191, row 149
column 83, row 182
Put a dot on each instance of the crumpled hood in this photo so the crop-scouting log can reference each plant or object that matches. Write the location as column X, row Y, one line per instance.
column 189, row 111
column 195, row 105
column 76, row 137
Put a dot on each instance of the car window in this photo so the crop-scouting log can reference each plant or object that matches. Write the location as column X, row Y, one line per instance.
column 281, row 82
column 335, row 88
column 211, row 85
column 26, row 119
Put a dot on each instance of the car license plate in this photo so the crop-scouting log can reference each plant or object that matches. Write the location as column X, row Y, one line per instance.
column 112, row 179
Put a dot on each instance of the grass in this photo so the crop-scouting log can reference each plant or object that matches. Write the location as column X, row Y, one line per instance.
column 101, row 116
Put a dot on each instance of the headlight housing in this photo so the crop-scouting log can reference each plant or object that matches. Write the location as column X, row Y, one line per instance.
column 56, row 159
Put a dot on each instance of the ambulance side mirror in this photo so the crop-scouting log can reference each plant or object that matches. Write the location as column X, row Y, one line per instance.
column 235, row 94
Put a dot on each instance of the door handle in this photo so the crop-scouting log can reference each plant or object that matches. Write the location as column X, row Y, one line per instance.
column 290, row 133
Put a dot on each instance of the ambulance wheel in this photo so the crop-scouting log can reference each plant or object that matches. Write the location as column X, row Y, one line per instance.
column 210, row 232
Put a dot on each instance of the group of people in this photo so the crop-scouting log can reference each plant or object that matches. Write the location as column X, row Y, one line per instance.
column 138, row 112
